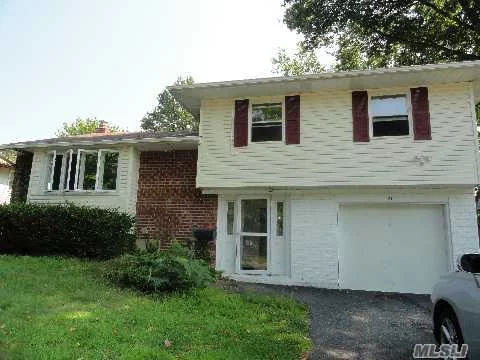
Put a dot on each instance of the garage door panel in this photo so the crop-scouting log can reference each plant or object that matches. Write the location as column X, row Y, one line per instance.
column 399, row 248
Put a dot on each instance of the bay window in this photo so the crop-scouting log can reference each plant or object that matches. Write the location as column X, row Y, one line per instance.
column 82, row 170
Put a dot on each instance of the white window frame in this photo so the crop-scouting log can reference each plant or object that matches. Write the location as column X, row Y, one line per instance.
column 234, row 225
column 80, row 170
column 275, row 217
column 51, row 170
column 101, row 169
column 271, row 101
column 55, row 153
column 70, row 153
column 376, row 93
column 67, row 167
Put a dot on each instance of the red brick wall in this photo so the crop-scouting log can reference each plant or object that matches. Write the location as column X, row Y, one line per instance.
column 168, row 204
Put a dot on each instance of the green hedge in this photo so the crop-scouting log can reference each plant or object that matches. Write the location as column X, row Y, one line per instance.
column 81, row 231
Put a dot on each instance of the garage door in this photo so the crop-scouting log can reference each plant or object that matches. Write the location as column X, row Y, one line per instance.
column 400, row 248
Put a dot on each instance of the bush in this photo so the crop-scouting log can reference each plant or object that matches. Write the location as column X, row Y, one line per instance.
column 81, row 231
column 159, row 271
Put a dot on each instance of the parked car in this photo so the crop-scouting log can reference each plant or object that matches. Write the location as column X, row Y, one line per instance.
column 456, row 300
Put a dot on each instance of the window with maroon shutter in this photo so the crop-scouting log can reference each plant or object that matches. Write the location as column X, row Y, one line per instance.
column 360, row 116
column 240, row 123
column 420, row 114
column 292, row 119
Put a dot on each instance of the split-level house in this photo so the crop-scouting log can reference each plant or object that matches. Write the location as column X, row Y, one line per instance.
column 355, row 180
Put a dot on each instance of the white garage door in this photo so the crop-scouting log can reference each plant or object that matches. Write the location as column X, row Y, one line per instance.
column 400, row 248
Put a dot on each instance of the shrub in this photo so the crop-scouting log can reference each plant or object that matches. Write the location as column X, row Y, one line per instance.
column 159, row 271
column 81, row 231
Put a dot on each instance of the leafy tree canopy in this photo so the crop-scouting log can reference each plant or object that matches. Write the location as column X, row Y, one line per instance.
column 168, row 115
column 381, row 33
column 81, row 127
column 304, row 61
column 8, row 155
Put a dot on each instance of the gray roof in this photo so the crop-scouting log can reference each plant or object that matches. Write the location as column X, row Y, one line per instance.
column 107, row 139
column 190, row 96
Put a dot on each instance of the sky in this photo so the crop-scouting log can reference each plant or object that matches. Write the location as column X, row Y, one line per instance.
column 109, row 59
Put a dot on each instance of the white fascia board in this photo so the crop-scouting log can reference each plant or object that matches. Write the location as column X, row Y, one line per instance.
column 190, row 96
column 193, row 140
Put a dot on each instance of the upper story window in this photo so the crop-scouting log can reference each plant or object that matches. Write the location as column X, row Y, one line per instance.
column 83, row 170
column 267, row 122
column 389, row 115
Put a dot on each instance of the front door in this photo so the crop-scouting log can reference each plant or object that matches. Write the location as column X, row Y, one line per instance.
column 253, row 239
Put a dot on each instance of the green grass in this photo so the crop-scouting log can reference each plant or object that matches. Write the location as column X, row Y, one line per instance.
column 53, row 308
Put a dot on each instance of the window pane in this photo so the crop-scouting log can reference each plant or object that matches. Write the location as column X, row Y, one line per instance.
column 279, row 218
column 110, row 167
column 266, row 113
column 65, row 178
column 69, row 185
column 73, row 169
column 388, row 106
column 89, row 170
column 254, row 216
column 395, row 126
column 266, row 133
column 57, row 172
column 230, row 217
column 253, row 253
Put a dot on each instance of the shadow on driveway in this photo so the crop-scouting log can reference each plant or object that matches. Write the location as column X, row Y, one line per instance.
column 348, row 324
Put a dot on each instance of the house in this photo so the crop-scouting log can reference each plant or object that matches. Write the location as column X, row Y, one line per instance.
column 7, row 170
column 149, row 175
column 353, row 180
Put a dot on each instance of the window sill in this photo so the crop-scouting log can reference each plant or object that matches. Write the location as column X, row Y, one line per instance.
column 389, row 137
column 266, row 142
column 81, row 192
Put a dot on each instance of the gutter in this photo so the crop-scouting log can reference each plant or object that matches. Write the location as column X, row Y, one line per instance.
column 40, row 144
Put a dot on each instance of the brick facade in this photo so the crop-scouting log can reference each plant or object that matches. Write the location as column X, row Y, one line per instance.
column 168, row 203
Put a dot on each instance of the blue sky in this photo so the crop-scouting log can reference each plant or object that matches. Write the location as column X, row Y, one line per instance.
column 66, row 59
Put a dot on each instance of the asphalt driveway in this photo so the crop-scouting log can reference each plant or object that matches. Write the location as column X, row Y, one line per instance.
column 360, row 324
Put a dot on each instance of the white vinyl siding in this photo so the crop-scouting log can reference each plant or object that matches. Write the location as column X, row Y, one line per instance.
column 309, row 255
column 328, row 156
column 6, row 177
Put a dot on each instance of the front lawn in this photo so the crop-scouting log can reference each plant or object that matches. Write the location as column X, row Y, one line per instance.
column 61, row 309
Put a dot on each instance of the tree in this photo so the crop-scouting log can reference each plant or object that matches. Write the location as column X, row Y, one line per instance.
column 168, row 115
column 8, row 155
column 382, row 33
column 369, row 34
column 304, row 61
column 82, row 127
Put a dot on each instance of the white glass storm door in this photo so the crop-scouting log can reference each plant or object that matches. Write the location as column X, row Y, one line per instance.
column 254, row 236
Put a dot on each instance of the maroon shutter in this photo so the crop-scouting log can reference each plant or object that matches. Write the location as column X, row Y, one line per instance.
column 420, row 114
column 240, row 123
column 292, row 119
column 360, row 116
